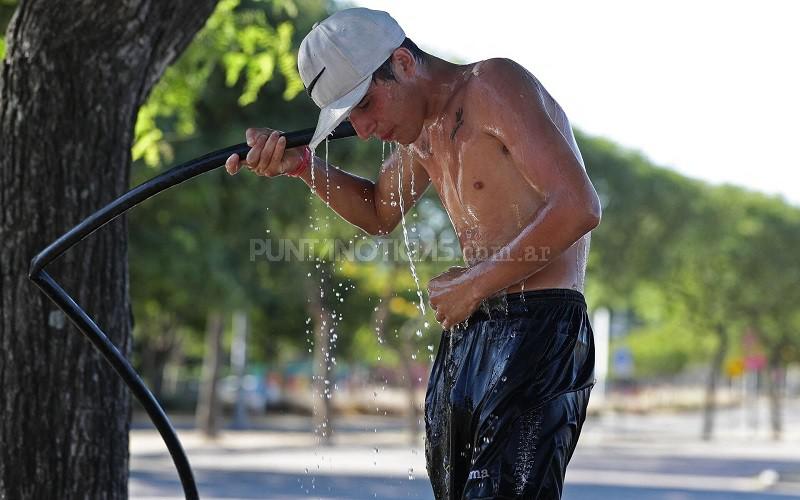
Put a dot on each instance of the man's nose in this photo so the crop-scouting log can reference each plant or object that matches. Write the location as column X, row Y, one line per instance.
column 363, row 126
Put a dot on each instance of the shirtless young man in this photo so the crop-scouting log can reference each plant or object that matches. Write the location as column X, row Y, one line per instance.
column 508, row 390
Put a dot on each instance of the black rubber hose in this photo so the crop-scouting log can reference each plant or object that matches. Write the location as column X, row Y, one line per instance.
column 164, row 181
column 86, row 324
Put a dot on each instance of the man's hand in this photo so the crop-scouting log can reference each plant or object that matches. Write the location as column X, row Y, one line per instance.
column 452, row 297
column 268, row 156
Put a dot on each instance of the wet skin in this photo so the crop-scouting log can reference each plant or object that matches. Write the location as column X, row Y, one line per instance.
column 500, row 154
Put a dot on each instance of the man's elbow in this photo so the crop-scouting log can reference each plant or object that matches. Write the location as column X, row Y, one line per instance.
column 379, row 229
column 584, row 218
column 593, row 212
column 384, row 224
column 372, row 229
column 592, row 219
column 384, row 229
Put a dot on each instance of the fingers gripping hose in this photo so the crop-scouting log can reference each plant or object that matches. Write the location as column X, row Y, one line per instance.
column 86, row 324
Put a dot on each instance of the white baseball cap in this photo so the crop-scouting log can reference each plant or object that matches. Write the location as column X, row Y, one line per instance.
column 337, row 59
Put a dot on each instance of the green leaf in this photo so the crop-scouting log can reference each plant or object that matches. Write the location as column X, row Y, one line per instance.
column 288, row 68
column 259, row 72
column 234, row 64
column 146, row 146
column 284, row 37
column 287, row 6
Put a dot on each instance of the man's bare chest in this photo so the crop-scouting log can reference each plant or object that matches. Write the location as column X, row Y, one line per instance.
column 476, row 178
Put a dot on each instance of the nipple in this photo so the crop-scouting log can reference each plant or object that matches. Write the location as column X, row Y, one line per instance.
column 478, row 185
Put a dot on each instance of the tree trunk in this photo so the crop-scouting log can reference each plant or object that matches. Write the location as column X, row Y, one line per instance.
column 406, row 359
column 775, row 390
column 156, row 350
column 239, row 368
column 710, row 406
column 322, row 370
column 380, row 315
column 72, row 81
column 208, row 413
column 405, row 351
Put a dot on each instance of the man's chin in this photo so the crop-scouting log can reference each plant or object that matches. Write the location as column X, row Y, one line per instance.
column 403, row 141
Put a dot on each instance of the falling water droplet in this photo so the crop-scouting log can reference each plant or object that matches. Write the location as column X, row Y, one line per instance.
column 327, row 177
column 405, row 230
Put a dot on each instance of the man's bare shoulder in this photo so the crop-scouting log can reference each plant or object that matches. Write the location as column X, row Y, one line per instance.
column 500, row 86
column 499, row 75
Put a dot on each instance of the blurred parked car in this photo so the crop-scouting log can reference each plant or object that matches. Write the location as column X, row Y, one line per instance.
column 255, row 391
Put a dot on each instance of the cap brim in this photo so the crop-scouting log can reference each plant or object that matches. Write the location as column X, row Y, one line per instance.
column 335, row 113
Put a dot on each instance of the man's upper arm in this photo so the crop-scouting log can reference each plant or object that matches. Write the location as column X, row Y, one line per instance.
column 510, row 108
column 400, row 174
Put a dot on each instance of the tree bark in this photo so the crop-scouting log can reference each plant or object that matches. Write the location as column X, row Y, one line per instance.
column 775, row 391
column 406, row 358
column 710, row 406
column 72, row 81
column 322, row 370
column 405, row 350
column 156, row 350
column 208, row 411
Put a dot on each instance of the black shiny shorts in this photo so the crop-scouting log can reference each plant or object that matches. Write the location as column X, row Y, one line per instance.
column 507, row 397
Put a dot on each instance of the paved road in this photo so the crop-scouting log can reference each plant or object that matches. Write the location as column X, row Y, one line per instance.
column 619, row 458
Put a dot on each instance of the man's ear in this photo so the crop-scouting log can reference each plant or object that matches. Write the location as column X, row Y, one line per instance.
column 403, row 63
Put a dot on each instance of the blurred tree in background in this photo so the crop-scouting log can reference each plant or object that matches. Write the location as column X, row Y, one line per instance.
column 698, row 266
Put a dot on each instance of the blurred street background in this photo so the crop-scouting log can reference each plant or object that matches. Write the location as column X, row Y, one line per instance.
column 620, row 456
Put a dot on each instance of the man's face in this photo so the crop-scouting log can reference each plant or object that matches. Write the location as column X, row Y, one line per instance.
column 390, row 111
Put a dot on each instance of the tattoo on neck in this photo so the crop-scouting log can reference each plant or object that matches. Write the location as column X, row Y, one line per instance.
column 459, row 122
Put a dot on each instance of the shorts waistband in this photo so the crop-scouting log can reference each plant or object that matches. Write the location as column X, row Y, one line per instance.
column 519, row 303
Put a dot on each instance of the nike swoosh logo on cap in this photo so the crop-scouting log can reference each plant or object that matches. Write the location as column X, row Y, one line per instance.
column 314, row 81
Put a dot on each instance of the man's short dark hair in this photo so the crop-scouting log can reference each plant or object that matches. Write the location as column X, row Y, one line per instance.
column 385, row 71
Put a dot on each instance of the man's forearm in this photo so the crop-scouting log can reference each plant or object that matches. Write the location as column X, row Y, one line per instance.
column 350, row 196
